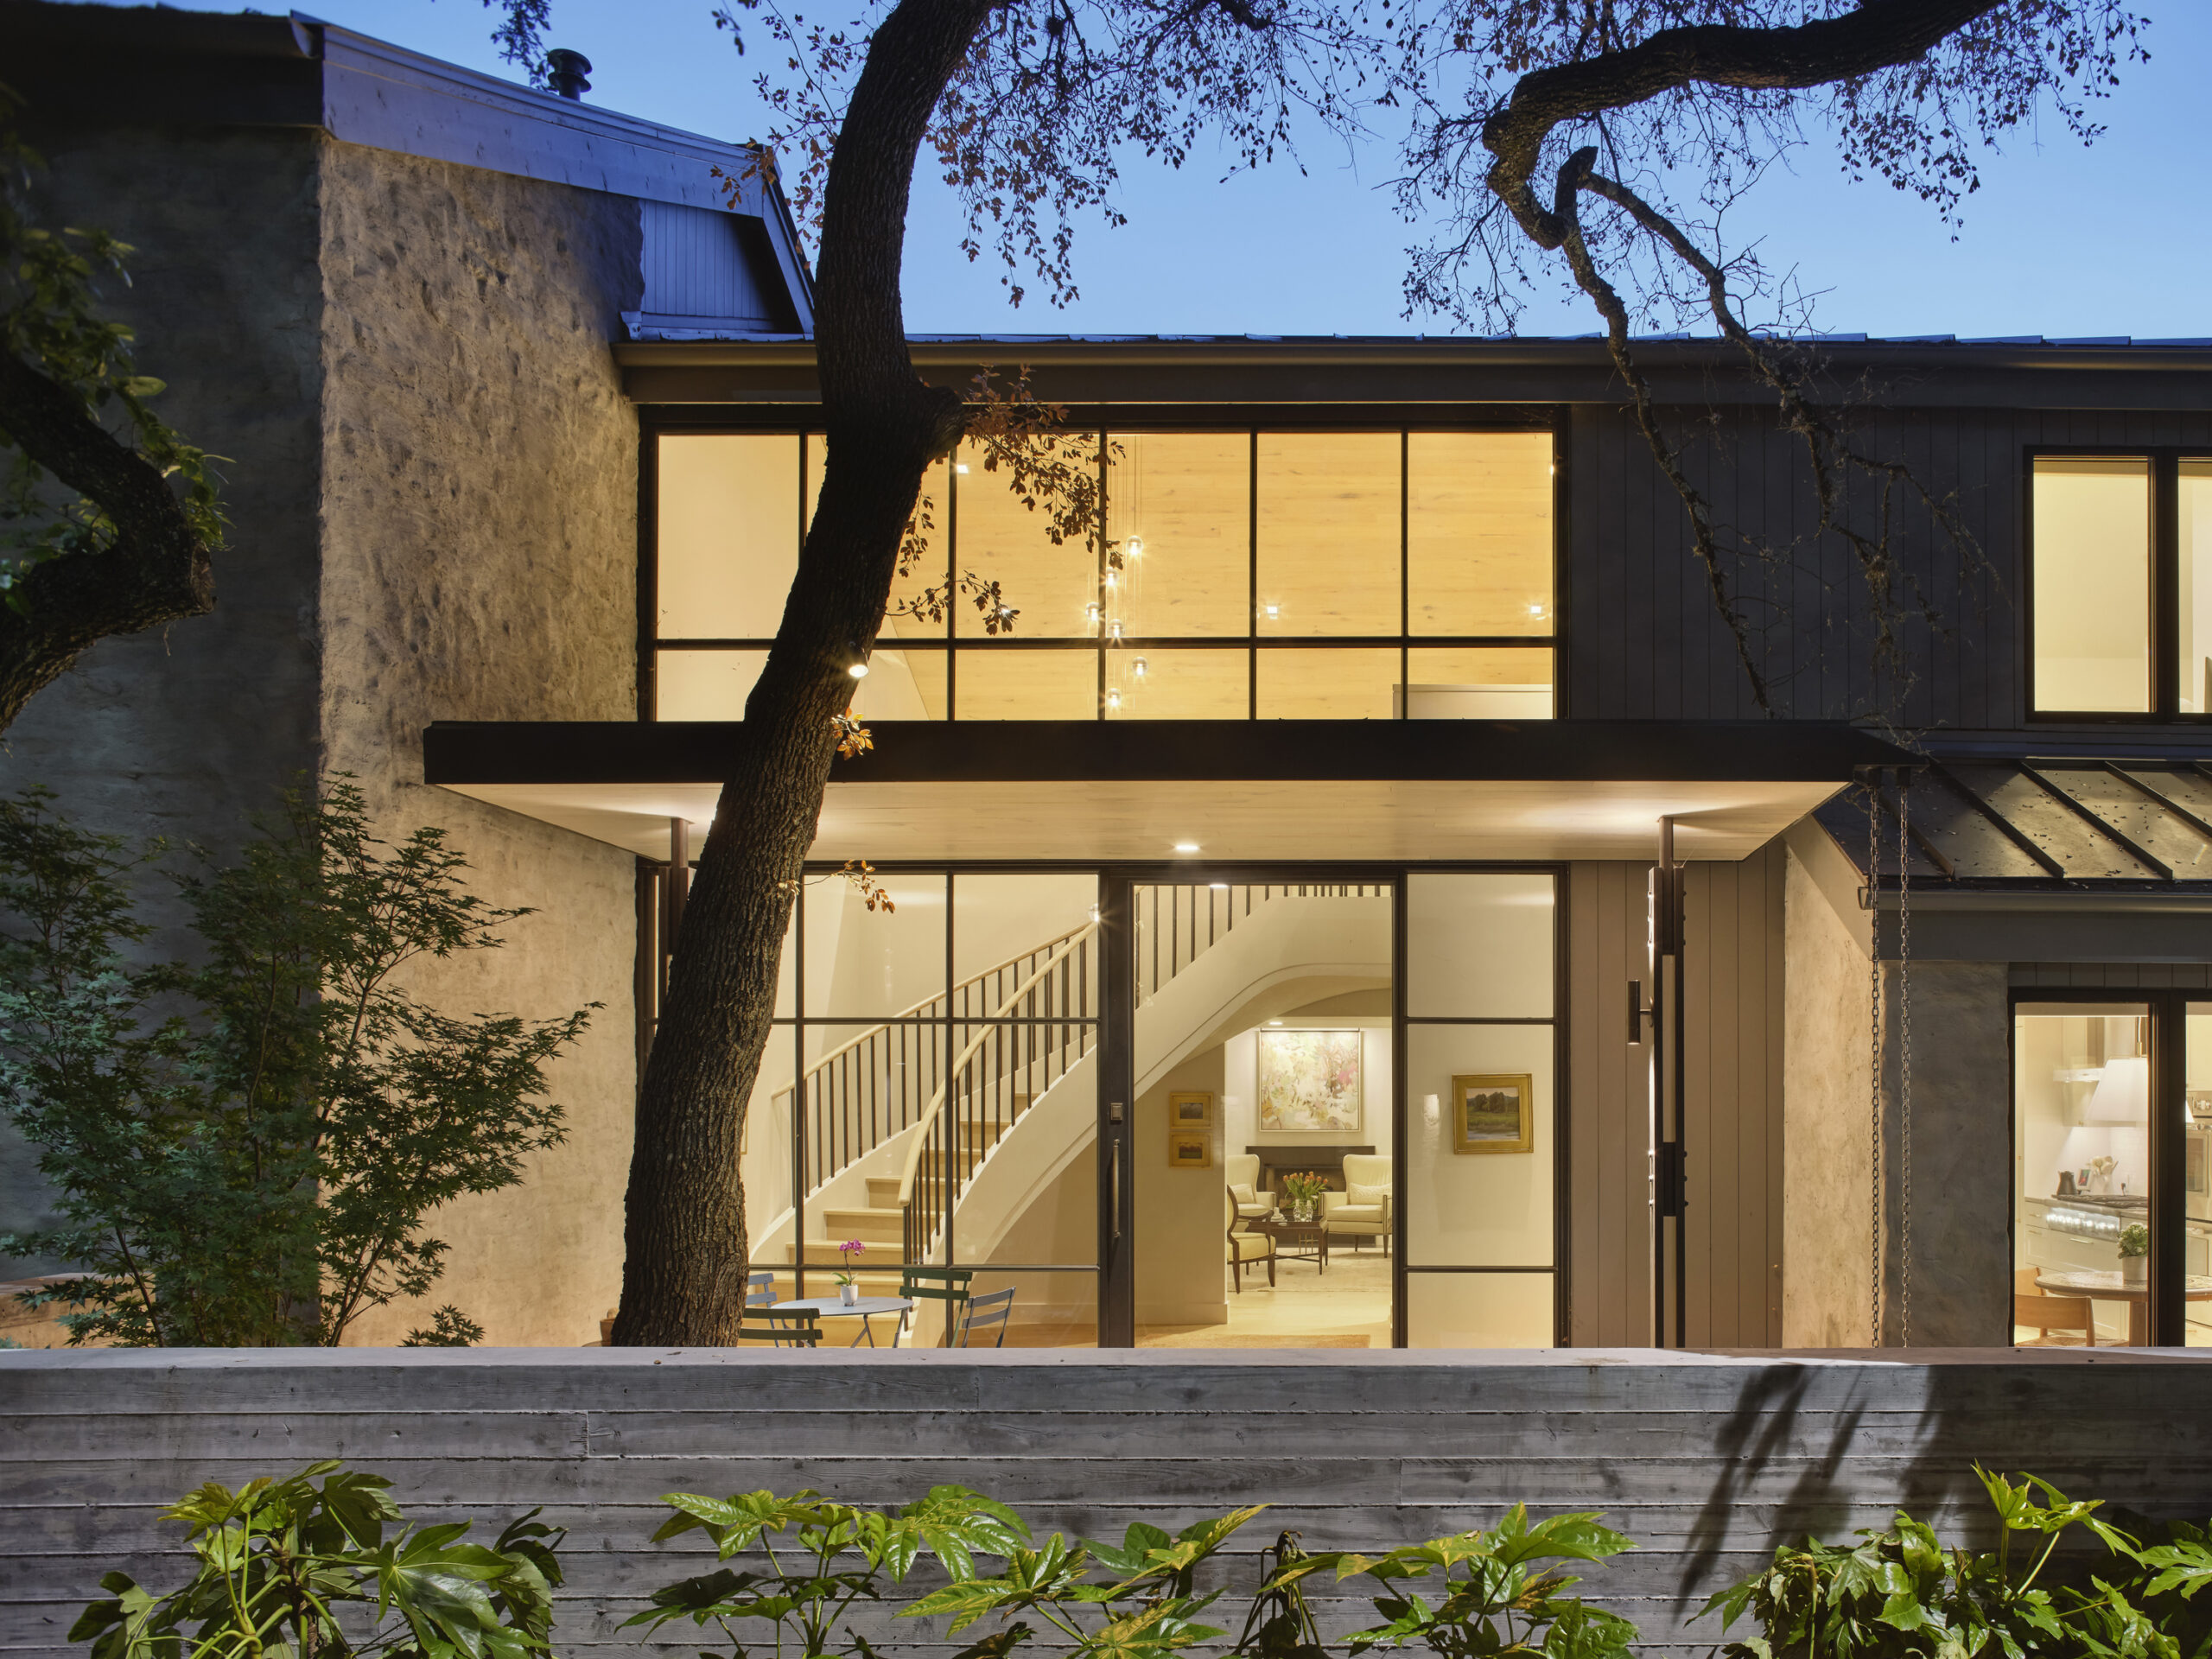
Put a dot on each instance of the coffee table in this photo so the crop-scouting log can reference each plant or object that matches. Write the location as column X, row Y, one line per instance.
column 1308, row 1240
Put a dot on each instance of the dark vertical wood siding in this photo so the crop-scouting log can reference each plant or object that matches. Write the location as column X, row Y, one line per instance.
column 1647, row 643
column 696, row 265
column 1733, row 1020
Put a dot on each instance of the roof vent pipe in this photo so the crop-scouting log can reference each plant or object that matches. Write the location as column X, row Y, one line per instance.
column 565, row 71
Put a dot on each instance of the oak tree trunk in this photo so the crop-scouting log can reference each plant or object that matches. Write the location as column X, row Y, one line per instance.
column 687, row 1248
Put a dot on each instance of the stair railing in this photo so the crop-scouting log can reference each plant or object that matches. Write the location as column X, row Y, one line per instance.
column 1034, row 1035
column 1176, row 924
column 871, row 1087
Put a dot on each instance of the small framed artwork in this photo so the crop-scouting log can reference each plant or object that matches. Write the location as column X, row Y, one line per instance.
column 1190, row 1111
column 1494, row 1113
column 1189, row 1151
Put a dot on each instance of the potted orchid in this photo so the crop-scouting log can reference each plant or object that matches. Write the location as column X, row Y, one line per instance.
column 848, row 1289
column 2135, row 1253
column 1304, row 1191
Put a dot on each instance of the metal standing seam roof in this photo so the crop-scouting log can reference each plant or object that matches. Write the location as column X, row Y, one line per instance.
column 2034, row 822
column 648, row 333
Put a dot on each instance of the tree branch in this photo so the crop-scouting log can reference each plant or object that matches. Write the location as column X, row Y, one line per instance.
column 1879, row 34
column 158, row 568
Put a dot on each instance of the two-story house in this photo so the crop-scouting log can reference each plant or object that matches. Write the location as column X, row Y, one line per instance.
column 1394, row 818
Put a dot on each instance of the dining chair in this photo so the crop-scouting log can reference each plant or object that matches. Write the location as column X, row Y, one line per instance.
column 987, row 1312
column 798, row 1327
column 760, row 1288
column 946, row 1285
column 2045, row 1312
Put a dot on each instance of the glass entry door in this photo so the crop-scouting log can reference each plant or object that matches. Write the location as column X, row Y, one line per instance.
column 1340, row 1122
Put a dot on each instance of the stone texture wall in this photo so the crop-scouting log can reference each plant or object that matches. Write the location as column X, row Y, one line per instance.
column 1826, row 1201
column 186, row 730
column 480, row 557
column 1960, row 1173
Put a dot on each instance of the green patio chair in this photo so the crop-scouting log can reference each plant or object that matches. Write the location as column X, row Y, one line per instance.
column 798, row 1327
column 987, row 1313
column 946, row 1285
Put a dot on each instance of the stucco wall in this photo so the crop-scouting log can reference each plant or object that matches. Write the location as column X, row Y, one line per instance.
column 478, row 527
column 1960, row 1171
column 1825, row 1203
column 186, row 730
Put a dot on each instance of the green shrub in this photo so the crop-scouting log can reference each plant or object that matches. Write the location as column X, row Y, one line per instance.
column 246, row 1148
column 1137, row 1600
column 1903, row 1592
column 291, row 1569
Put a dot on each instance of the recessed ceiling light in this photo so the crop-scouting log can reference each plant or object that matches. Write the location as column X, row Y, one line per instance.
column 1186, row 845
column 1218, row 886
column 1275, row 1022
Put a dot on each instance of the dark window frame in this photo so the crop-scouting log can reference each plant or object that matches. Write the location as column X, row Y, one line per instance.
column 2168, row 1215
column 2164, row 620
column 688, row 421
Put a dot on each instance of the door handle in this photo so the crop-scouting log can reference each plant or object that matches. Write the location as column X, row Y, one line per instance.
column 1114, row 1152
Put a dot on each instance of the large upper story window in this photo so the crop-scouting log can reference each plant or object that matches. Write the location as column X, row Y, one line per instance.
column 1364, row 575
column 2120, row 585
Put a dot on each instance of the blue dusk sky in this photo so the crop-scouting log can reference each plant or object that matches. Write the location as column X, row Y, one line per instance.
column 2115, row 238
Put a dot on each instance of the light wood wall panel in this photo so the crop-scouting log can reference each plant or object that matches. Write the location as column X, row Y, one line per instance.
column 1733, row 1047
column 1707, row 1463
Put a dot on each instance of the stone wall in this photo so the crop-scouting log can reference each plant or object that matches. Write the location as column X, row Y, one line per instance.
column 186, row 730
column 1827, row 1204
column 1957, row 1291
column 431, row 486
column 480, row 562
column 1707, row 1462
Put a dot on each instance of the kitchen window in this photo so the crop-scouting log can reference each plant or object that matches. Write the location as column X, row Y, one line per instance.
column 2119, row 586
column 2112, row 1158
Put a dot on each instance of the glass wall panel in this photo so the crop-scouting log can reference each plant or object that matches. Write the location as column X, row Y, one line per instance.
column 1357, row 683
column 1180, row 503
column 1479, row 1309
column 2196, row 606
column 1179, row 685
column 1478, row 532
column 1048, row 1310
column 1480, row 1151
column 2196, row 1165
column 997, row 538
column 901, row 684
column 1476, row 683
column 2091, row 585
column 1026, row 684
column 728, row 534
column 1328, row 533
column 704, row 684
column 1001, row 922
column 2081, row 1161
column 1479, row 946
column 929, row 570
column 873, row 963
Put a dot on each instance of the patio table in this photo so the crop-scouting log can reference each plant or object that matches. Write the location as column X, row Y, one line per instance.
column 829, row 1308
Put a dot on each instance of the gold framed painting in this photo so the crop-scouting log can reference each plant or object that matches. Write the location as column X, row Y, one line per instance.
column 1189, row 1151
column 1190, row 1108
column 1494, row 1113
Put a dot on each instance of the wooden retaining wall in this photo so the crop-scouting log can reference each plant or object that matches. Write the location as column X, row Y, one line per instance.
column 1707, row 1460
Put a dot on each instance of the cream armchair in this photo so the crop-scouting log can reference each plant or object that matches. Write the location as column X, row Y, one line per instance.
column 1245, row 1249
column 1362, row 1210
column 1244, row 1170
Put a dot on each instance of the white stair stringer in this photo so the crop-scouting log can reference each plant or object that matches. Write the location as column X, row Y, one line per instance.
column 1338, row 942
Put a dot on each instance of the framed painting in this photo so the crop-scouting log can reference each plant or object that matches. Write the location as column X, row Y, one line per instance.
column 1494, row 1113
column 1309, row 1081
column 1189, row 1151
column 1190, row 1109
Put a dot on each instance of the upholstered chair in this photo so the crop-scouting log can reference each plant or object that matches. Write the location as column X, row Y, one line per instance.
column 1243, row 1174
column 1361, row 1210
column 1245, row 1249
